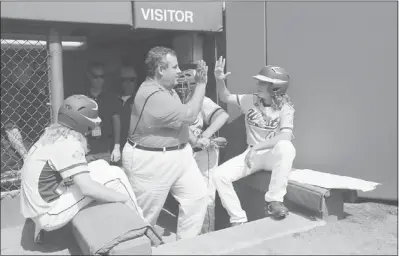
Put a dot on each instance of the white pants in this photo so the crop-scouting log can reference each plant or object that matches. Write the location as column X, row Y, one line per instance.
column 278, row 160
column 72, row 201
column 153, row 174
column 207, row 161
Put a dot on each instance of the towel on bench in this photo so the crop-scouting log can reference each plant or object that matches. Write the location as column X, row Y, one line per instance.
column 331, row 181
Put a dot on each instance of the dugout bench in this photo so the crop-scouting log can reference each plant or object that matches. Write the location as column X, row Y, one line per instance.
column 308, row 200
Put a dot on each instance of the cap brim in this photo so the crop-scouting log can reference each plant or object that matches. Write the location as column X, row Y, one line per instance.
column 268, row 79
column 264, row 78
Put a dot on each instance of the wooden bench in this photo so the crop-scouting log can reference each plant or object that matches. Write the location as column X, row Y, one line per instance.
column 308, row 200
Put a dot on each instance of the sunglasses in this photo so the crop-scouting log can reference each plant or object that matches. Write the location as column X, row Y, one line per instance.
column 95, row 76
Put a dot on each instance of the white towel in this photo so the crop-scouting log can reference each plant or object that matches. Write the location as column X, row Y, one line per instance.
column 331, row 181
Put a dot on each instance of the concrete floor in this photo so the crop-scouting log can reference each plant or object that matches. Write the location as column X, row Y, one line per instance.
column 17, row 235
column 369, row 229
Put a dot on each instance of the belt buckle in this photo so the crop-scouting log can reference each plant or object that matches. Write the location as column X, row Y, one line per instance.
column 164, row 149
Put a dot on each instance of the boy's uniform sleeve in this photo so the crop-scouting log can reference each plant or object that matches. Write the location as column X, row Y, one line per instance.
column 70, row 159
column 245, row 102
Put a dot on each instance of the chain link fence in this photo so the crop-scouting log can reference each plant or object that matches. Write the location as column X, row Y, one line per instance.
column 25, row 105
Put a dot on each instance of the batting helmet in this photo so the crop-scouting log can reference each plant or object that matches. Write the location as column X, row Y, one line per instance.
column 277, row 76
column 79, row 113
column 185, row 84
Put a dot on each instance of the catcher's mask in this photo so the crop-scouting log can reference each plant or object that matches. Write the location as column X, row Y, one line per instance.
column 277, row 76
column 185, row 84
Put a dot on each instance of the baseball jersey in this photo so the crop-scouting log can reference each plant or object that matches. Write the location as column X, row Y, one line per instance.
column 46, row 173
column 262, row 123
column 208, row 111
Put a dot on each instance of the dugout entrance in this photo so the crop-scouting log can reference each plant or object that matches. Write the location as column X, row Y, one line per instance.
column 191, row 29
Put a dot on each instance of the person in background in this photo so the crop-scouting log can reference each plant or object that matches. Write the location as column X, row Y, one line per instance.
column 104, row 140
column 128, row 89
column 157, row 157
column 203, row 140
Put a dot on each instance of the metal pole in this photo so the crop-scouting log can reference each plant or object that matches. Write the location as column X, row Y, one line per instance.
column 56, row 74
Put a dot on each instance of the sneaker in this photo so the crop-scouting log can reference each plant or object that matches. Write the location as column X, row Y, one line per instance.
column 237, row 223
column 159, row 230
column 39, row 237
column 277, row 209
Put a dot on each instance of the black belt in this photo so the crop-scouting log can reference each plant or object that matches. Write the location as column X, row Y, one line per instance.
column 181, row 146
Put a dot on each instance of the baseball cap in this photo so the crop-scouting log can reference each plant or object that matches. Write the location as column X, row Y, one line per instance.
column 272, row 74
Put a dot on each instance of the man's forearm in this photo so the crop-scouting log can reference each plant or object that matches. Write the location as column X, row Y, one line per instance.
column 270, row 143
column 116, row 123
column 102, row 193
column 192, row 138
column 195, row 102
column 215, row 126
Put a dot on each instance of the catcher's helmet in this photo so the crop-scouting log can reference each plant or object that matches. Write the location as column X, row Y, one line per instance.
column 185, row 84
column 277, row 76
column 79, row 113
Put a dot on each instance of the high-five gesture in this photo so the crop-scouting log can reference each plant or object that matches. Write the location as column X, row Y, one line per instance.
column 201, row 75
column 219, row 69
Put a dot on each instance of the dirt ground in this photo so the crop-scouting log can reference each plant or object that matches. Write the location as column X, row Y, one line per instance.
column 369, row 229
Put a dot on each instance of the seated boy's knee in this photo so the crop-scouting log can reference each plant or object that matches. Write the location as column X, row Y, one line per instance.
column 286, row 148
column 220, row 176
column 117, row 172
column 216, row 177
column 100, row 170
column 98, row 164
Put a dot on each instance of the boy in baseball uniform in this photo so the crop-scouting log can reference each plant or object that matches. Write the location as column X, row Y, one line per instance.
column 269, row 117
column 202, row 138
column 56, row 180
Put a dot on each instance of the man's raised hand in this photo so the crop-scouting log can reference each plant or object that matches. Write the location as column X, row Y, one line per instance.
column 201, row 75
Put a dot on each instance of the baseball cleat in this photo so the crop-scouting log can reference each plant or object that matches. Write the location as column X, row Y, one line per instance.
column 237, row 223
column 277, row 210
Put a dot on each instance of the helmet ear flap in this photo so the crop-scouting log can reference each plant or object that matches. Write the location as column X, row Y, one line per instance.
column 279, row 88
